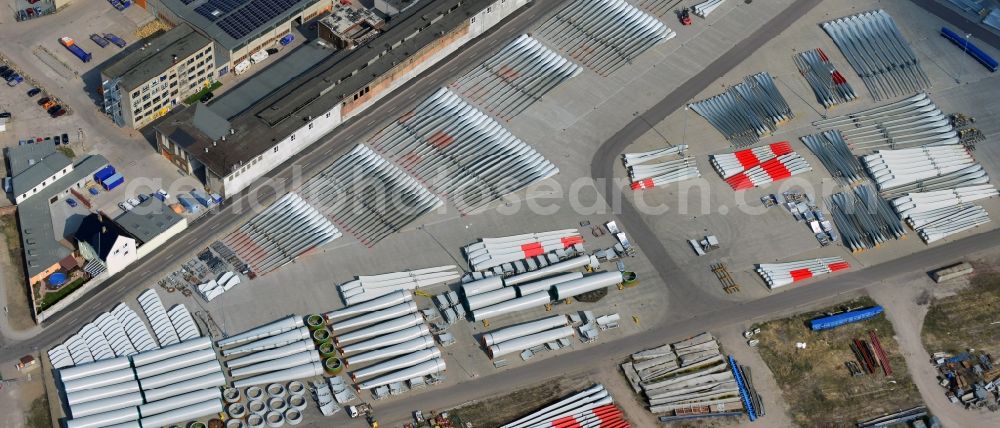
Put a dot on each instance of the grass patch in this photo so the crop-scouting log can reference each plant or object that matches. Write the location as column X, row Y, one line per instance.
column 66, row 151
column 197, row 95
column 52, row 297
column 815, row 382
column 961, row 321
column 38, row 415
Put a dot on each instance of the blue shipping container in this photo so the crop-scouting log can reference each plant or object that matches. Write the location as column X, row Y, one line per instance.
column 113, row 181
column 189, row 205
column 200, row 197
column 105, row 172
column 833, row 321
column 971, row 49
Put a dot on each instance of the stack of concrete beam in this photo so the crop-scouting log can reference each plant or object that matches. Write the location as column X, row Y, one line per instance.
column 366, row 288
column 911, row 122
column 746, row 111
column 285, row 230
column 591, row 408
column 604, row 35
column 782, row 274
column 344, row 192
column 491, row 252
column 879, row 54
column 515, row 78
column 460, row 152
column 690, row 374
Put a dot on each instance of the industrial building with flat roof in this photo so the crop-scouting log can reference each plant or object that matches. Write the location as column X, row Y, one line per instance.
column 227, row 152
column 33, row 167
column 147, row 83
column 238, row 27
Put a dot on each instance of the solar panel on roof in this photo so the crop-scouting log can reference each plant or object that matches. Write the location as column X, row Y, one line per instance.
column 215, row 9
column 250, row 15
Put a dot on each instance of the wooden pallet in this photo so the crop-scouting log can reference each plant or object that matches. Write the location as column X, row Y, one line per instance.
column 728, row 284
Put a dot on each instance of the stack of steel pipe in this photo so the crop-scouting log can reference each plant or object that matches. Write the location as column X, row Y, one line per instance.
column 894, row 168
column 747, row 110
column 346, row 192
column 381, row 302
column 592, row 407
column 385, row 327
column 365, row 288
column 864, row 219
column 705, row 8
column 653, row 175
column 419, row 343
column 603, row 35
column 830, row 87
column 879, row 54
column 782, row 274
column 730, row 164
column 507, row 333
column 769, row 171
column 527, row 341
column 832, row 150
column 912, row 122
column 528, row 301
column 279, row 234
column 373, row 317
column 515, row 77
column 491, row 252
column 461, row 153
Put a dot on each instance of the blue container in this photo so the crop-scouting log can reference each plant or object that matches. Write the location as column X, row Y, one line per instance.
column 57, row 279
column 104, row 173
column 971, row 49
column 834, row 321
column 189, row 205
column 113, row 181
column 201, row 198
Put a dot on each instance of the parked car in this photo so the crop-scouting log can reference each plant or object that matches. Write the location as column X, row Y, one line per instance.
column 56, row 139
column 65, row 138
column 34, row 91
column 15, row 80
column 71, row 202
column 48, row 139
column 133, row 201
column 59, row 113
column 93, row 191
column 6, row 73
column 125, row 206
column 143, row 197
column 3, row 69
column 44, row 100
column 5, row 114
column 207, row 97
column 53, row 109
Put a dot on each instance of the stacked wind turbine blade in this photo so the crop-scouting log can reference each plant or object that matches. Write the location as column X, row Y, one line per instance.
column 830, row 87
column 970, row 176
column 516, row 77
column 279, row 234
column 368, row 196
column 461, row 153
column 911, row 122
column 769, row 171
column 781, row 274
column 369, row 287
column 894, row 168
column 874, row 46
column 210, row 290
column 864, row 219
column 703, row 9
column 936, row 224
column 730, row 164
column 658, row 174
column 584, row 405
column 913, row 203
column 746, row 111
column 581, row 27
column 491, row 252
column 633, row 159
column 832, row 150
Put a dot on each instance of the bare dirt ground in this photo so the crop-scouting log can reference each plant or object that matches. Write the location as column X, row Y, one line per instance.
column 13, row 299
column 906, row 304
column 775, row 408
column 24, row 403
column 497, row 411
column 815, row 383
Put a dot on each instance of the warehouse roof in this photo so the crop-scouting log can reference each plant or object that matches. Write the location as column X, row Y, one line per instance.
column 233, row 23
column 141, row 65
column 148, row 220
column 41, row 247
column 318, row 90
column 32, row 164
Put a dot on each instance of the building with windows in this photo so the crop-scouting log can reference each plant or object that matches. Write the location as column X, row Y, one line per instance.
column 33, row 167
column 147, row 83
column 239, row 28
column 242, row 135
column 103, row 243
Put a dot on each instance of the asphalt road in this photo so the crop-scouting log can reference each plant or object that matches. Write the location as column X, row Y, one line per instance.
column 309, row 162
